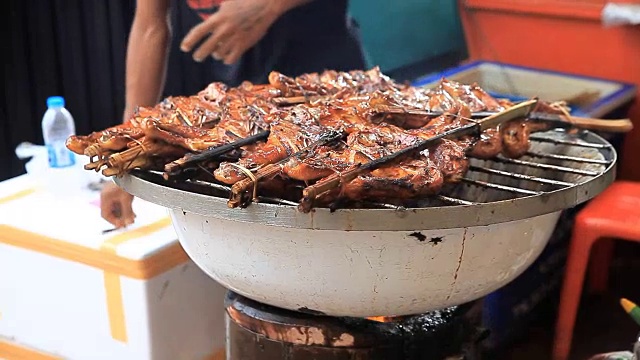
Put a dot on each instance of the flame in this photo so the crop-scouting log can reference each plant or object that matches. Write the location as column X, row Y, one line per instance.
column 383, row 319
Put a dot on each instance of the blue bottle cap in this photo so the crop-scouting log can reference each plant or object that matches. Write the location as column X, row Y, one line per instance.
column 55, row 102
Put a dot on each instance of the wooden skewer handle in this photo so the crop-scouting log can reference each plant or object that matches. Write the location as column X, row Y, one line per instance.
column 243, row 185
column 615, row 126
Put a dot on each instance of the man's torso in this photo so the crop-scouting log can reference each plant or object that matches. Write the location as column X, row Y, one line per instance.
column 204, row 8
column 298, row 42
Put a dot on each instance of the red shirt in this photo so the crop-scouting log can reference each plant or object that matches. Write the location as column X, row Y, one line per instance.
column 204, row 8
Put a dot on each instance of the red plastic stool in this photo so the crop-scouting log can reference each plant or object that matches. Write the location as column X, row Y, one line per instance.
column 615, row 213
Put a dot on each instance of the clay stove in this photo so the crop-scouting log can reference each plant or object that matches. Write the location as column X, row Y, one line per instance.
column 259, row 331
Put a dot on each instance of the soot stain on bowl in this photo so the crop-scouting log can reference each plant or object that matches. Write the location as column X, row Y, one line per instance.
column 436, row 240
column 419, row 236
column 422, row 238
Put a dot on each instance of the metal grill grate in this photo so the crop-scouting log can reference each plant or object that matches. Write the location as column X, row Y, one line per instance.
column 556, row 160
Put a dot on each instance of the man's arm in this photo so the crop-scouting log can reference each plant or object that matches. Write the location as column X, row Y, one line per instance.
column 145, row 73
column 147, row 53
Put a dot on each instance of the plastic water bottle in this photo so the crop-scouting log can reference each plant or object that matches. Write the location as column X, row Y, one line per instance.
column 57, row 126
column 63, row 176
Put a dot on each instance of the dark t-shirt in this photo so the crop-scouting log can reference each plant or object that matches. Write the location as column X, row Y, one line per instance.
column 309, row 38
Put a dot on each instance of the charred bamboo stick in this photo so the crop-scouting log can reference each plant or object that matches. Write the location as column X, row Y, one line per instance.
column 329, row 183
column 93, row 150
column 119, row 170
column 120, row 159
column 241, row 187
column 134, row 143
column 173, row 168
column 92, row 165
column 99, row 163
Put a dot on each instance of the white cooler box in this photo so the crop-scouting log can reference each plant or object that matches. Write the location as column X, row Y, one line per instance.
column 68, row 291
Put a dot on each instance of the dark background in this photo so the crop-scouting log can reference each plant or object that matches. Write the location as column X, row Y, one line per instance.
column 76, row 49
column 69, row 48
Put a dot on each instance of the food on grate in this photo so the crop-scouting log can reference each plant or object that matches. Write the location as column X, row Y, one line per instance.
column 316, row 125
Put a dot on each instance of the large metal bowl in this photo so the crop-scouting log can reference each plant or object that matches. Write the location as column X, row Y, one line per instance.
column 366, row 262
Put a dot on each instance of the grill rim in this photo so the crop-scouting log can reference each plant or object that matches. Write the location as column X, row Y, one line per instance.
column 410, row 219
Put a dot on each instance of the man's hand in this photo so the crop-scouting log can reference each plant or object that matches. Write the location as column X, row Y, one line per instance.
column 115, row 206
column 237, row 26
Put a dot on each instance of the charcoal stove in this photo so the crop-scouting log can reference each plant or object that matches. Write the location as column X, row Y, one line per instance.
column 388, row 261
column 259, row 331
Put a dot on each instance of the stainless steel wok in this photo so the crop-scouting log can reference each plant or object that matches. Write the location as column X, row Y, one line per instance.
column 384, row 262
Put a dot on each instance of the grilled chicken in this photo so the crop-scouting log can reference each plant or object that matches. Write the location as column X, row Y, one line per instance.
column 331, row 83
column 408, row 179
column 356, row 104
column 285, row 139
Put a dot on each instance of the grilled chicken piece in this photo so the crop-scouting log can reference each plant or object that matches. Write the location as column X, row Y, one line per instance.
column 515, row 139
column 472, row 96
column 364, row 146
column 293, row 129
column 345, row 116
column 116, row 138
column 285, row 139
column 214, row 93
column 112, row 139
column 360, row 147
column 490, row 103
column 464, row 94
column 409, row 179
column 189, row 138
column 326, row 160
column 515, row 136
column 448, row 96
column 331, row 82
column 449, row 157
column 489, row 145
column 193, row 111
